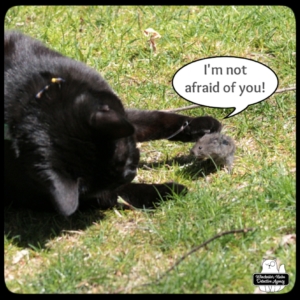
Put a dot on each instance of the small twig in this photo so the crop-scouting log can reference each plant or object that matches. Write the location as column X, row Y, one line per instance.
column 148, row 168
column 202, row 245
column 72, row 231
column 198, row 105
column 181, row 108
column 285, row 89
column 245, row 230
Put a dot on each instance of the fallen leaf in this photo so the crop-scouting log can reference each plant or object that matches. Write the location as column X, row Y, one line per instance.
column 152, row 34
column 20, row 255
column 288, row 239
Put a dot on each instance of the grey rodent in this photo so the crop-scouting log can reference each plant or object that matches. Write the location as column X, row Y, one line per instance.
column 216, row 146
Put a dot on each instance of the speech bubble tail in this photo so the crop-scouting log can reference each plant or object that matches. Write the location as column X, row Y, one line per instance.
column 236, row 111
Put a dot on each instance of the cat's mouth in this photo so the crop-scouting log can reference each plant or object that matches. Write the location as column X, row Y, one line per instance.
column 87, row 188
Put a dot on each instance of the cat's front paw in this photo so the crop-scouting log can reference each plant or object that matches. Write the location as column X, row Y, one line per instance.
column 199, row 126
column 141, row 195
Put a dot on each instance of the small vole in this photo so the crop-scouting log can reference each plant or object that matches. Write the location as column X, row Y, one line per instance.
column 216, row 146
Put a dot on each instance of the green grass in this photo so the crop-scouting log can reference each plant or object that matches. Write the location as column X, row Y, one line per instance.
column 113, row 251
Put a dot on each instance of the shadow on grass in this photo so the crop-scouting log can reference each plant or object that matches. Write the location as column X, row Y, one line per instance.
column 28, row 228
column 188, row 166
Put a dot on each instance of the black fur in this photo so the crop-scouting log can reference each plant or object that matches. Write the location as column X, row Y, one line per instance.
column 71, row 140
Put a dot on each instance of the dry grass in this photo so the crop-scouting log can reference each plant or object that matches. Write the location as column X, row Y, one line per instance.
column 112, row 251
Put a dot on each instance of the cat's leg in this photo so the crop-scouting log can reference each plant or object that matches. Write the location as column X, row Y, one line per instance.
column 139, row 195
column 155, row 125
column 142, row 195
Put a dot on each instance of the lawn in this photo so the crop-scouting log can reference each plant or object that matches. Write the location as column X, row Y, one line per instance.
column 121, row 251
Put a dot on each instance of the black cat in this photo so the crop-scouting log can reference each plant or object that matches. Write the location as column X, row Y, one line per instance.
column 69, row 141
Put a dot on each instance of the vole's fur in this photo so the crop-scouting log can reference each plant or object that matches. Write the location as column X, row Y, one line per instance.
column 219, row 147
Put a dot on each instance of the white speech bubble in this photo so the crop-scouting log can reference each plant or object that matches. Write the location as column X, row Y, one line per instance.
column 225, row 82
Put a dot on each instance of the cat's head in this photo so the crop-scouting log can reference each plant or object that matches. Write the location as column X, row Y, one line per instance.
column 91, row 143
column 68, row 128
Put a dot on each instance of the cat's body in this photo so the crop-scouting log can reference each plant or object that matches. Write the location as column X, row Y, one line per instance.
column 71, row 140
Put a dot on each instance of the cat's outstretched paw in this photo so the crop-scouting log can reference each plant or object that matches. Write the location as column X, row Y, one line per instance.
column 202, row 125
column 194, row 128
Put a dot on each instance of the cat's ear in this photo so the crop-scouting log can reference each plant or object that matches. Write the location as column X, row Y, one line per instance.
column 111, row 124
column 65, row 193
